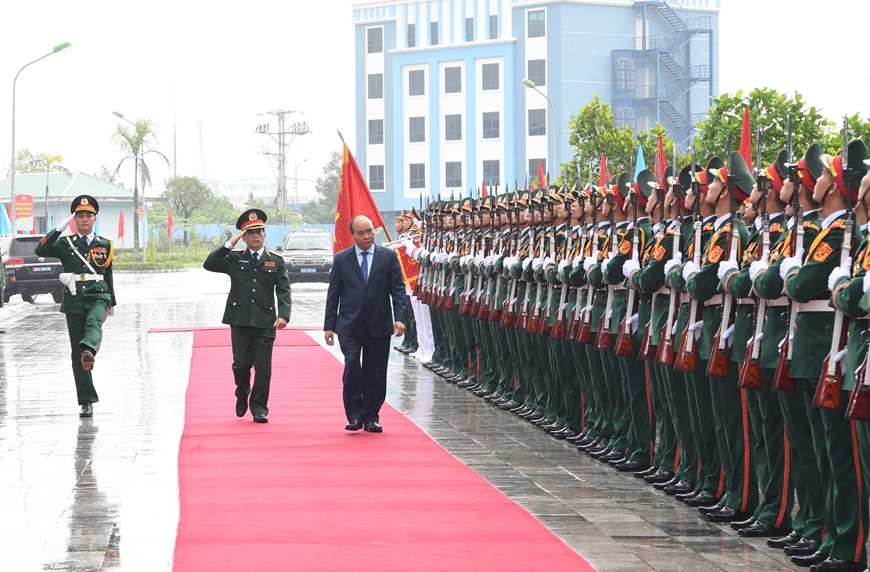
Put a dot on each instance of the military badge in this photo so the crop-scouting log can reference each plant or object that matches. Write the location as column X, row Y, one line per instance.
column 270, row 263
column 715, row 254
column 660, row 252
column 822, row 252
column 625, row 247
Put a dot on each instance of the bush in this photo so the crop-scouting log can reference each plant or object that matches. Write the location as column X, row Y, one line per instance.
column 140, row 266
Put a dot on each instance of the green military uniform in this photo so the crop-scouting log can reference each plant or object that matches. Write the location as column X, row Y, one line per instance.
column 256, row 280
column 88, row 296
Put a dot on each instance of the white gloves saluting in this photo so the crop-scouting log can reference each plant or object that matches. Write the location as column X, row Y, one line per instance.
column 65, row 224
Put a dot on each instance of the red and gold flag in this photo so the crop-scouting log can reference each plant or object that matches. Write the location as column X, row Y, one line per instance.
column 354, row 199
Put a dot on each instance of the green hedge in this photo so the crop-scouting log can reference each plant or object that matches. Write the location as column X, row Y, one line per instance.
column 143, row 266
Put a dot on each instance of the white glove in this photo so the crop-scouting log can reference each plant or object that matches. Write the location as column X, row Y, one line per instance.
column 724, row 267
column 729, row 334
column 758, row 339
column 411, row 250
column 835, row 275
column 526, row 263
column 789, row 264
column 632, row 323
column 690, row 268
column 111, row 310
column 840, row 358
column 577, row 261
column 549, row 261
column 63, row 226
column 629, row 267
column 697, row 328
column 866, row 282
column 588, row 263
column 609, row 315
column 536, row 263
column 562, row 265
column 756, row 267
column 478, row 258
column 670, row 264
column 604, row 264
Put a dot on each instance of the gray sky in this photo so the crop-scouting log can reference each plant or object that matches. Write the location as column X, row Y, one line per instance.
column 214, row 68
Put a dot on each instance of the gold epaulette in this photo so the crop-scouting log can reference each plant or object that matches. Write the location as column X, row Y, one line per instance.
column 838, row 224
column 809, row 224
column 708, row 226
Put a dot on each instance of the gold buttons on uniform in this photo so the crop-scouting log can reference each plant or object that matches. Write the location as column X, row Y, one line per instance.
column 254, row 289
column 255, row 279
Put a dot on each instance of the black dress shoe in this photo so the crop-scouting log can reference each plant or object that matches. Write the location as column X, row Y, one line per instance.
column 600, row 451
column 588, row 446
column 683, row 496
column 837, row 565
column 760, row 529
column 809, row 559
column 509, row 404
column 566, row 433
column 87, row 410
column 703, row 498
column 520, row 409
column 803, row 547
column 575, row 438
column 647, row 471
column 741, row 524
column 373, row 427
column 533, row 415
column 680, row 488
column 584, row 440
column 784, row 541
column 666, row 484
column 482, row 391
column 659, row 477
column 727, row 514
column 614, row 462
column 614, row 455
column 261, row 418
column 713, row 508
column 241, row 406
column 353, row 425
column 465, row 384
column 495, row 395
column 550, row 427
column 542, row 421
column 630, row 467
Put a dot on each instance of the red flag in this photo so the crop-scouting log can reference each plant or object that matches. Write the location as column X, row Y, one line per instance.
column 354, row 198
column 483, row 192
column 602, row 175
column 72, row 226
column 169, row 224
column 542, row 180
column 661, row 161
column 121, row 225
column 746, row 140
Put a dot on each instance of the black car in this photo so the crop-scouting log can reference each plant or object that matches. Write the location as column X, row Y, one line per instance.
column 26, row 273
column 308, row 256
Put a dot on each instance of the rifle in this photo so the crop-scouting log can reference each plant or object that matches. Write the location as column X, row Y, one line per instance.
column 717, row 366
column 424, row 240
column 687, row 354
column 559, row 331
column 445, row 301
column 523, row 321
column 546, row 329
column 648, row 351
column 581, row 325
column 624, row 338
column 534, row 325
column 494, row 309
column 782, row 379
column 750, row 374
column 508, row 314
column 604, row 340
column 665, row 354
column 831, row 381
column 465, row 304
column 435, row 285
column 483, row 311
column 577, row 317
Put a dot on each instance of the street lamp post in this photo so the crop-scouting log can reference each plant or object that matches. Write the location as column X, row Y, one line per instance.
column 54, row 50
column 553, row 160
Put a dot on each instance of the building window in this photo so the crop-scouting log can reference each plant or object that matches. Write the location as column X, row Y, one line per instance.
column 533, row 167
column 537, row 122
column 416, row 83
column 452, row 80
column 376, row 40
column 493, row 27
column 453, row 174
column 376, row 131
column 538, row 72
column 490, row 76
column 537, row 27
column 453, row 127
column 469, row 29
column 376, row 177
column 433, row 34
column 412, row 35
column 491, row 173
column 417, row 129
column 490, row 125
column 418, row 176
column 376, row 86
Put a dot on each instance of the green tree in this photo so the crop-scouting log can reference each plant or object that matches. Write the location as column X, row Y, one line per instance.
column 27, row 162
column 768, row 109
column 107, row 175
column 187, row 196
column 858, row 129
column 136, row 144
column 322, row 210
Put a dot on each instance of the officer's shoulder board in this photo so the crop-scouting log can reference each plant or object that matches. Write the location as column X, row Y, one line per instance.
column 776, row 227
column 809, row 224
column 707, row 227
column 238, row 250
column 838, row 224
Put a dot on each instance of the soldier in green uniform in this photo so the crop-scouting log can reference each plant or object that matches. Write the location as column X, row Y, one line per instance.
column 260, row 275
column 89, row 296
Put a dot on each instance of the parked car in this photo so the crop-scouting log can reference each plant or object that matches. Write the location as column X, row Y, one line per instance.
column 308, row 255
column 27, row 274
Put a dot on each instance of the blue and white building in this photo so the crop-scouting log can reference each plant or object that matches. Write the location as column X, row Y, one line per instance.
column 440, row 104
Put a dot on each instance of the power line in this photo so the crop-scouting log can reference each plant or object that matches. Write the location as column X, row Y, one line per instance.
column 280, row 138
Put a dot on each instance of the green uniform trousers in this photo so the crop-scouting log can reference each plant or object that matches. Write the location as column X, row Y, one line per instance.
column 86, row 330
column 252, row 347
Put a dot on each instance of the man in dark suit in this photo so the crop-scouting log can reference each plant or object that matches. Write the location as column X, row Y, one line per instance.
column 259, row 276
column 363, row 280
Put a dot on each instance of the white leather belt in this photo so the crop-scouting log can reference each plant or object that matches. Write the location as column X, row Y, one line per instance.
column 815, row 306
column 663, row 290
column 619, row 287
column 714, row 301
column 746, row 301
column 781, row 301
column 685, row 298
column 87, row 277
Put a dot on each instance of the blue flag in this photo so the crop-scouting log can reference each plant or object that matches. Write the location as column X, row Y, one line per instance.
column 5, row 223
column 641, row 165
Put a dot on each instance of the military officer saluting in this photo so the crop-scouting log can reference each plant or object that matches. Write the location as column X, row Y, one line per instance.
column 259, row 276
column 89, row 294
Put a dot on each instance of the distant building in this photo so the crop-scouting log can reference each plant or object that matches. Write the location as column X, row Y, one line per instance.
column 440, row 106
column 238, row 192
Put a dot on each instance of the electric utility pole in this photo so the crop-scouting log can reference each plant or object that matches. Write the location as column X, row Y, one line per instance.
column 283, row 137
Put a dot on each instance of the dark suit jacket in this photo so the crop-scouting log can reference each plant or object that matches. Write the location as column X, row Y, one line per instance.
column 254, row 286
column 354, row 308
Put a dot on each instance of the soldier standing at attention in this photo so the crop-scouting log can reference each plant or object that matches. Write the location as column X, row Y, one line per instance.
column 259, row 274
column 89, row 295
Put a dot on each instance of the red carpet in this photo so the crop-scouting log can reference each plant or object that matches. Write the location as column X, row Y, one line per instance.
column 300, row 493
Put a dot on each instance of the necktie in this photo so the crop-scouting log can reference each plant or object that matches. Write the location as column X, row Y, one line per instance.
column 256, row 256
column 365, row 266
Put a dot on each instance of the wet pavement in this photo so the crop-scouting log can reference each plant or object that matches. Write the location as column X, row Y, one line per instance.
column 101, row 493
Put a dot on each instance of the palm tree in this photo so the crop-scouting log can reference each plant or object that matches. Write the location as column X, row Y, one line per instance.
column 136, row 144
column 50, row 166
